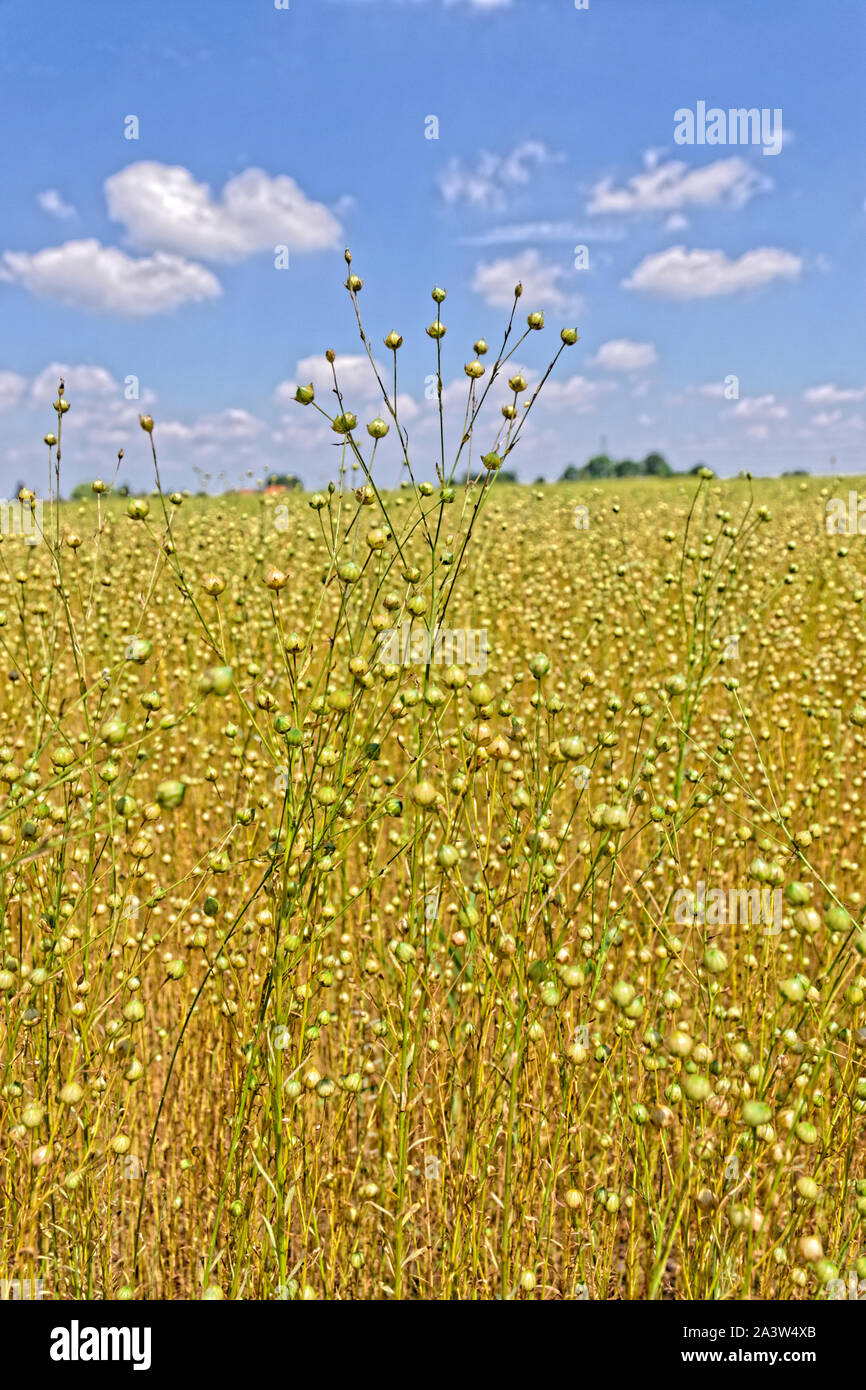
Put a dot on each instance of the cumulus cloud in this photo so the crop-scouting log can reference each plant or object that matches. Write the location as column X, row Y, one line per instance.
column 542, row 282
column 55, row 205
column 576, row 393
column 766, row 407
column 164, row 208
column 227, row 426
column 833, row 395
column 11, row 389
column 681, row 274
column 81, row 380
column 357, row 383
column 103, row 279
column 620, row 355
column 673, row 186
column 488, row 181
column 354, row 377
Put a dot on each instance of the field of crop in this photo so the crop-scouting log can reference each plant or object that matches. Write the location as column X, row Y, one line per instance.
column 536, row 973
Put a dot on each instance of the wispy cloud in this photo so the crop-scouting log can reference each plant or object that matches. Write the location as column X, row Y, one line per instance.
column 488, row 182
column 55, row 205
column 527, row 232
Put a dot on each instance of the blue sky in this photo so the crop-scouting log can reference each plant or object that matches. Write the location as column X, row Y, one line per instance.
column 154, row 258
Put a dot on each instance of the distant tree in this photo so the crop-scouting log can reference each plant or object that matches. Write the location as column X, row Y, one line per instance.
column 123, row 490
column 627, row 468
column 81, row 492
column 539, row 482
column 656, row 466
column 571, row 474
column 287, row 480
column 600, row 466
column 506, row 475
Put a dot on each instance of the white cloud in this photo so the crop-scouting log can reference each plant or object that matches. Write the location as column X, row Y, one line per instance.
column 681, row 274
column 514, row 232
column 488, row 182
column 766, row 407
column 828, row 419
column 54, row 204
column 165, row 209
column 227, row 426
column 354, row 377
column 79, row 381
column 357, row 383
column 833, row 395
column 620, row 355
column 87, row 275
column 11, row 389
column 673, row 186
column 542, row 283
column 575, row 393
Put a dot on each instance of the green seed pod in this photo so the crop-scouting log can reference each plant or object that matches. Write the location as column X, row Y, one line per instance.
column 139, row 650
column 622, row 994
column 169, row 795
column 572, row 976
column 697, row 1088
column 793, row 989
column 756, row 1112
column 217, row 680
column 797, row 894
column 715, row 961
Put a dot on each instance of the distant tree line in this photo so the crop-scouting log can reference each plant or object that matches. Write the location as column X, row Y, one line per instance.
column 655, row 465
